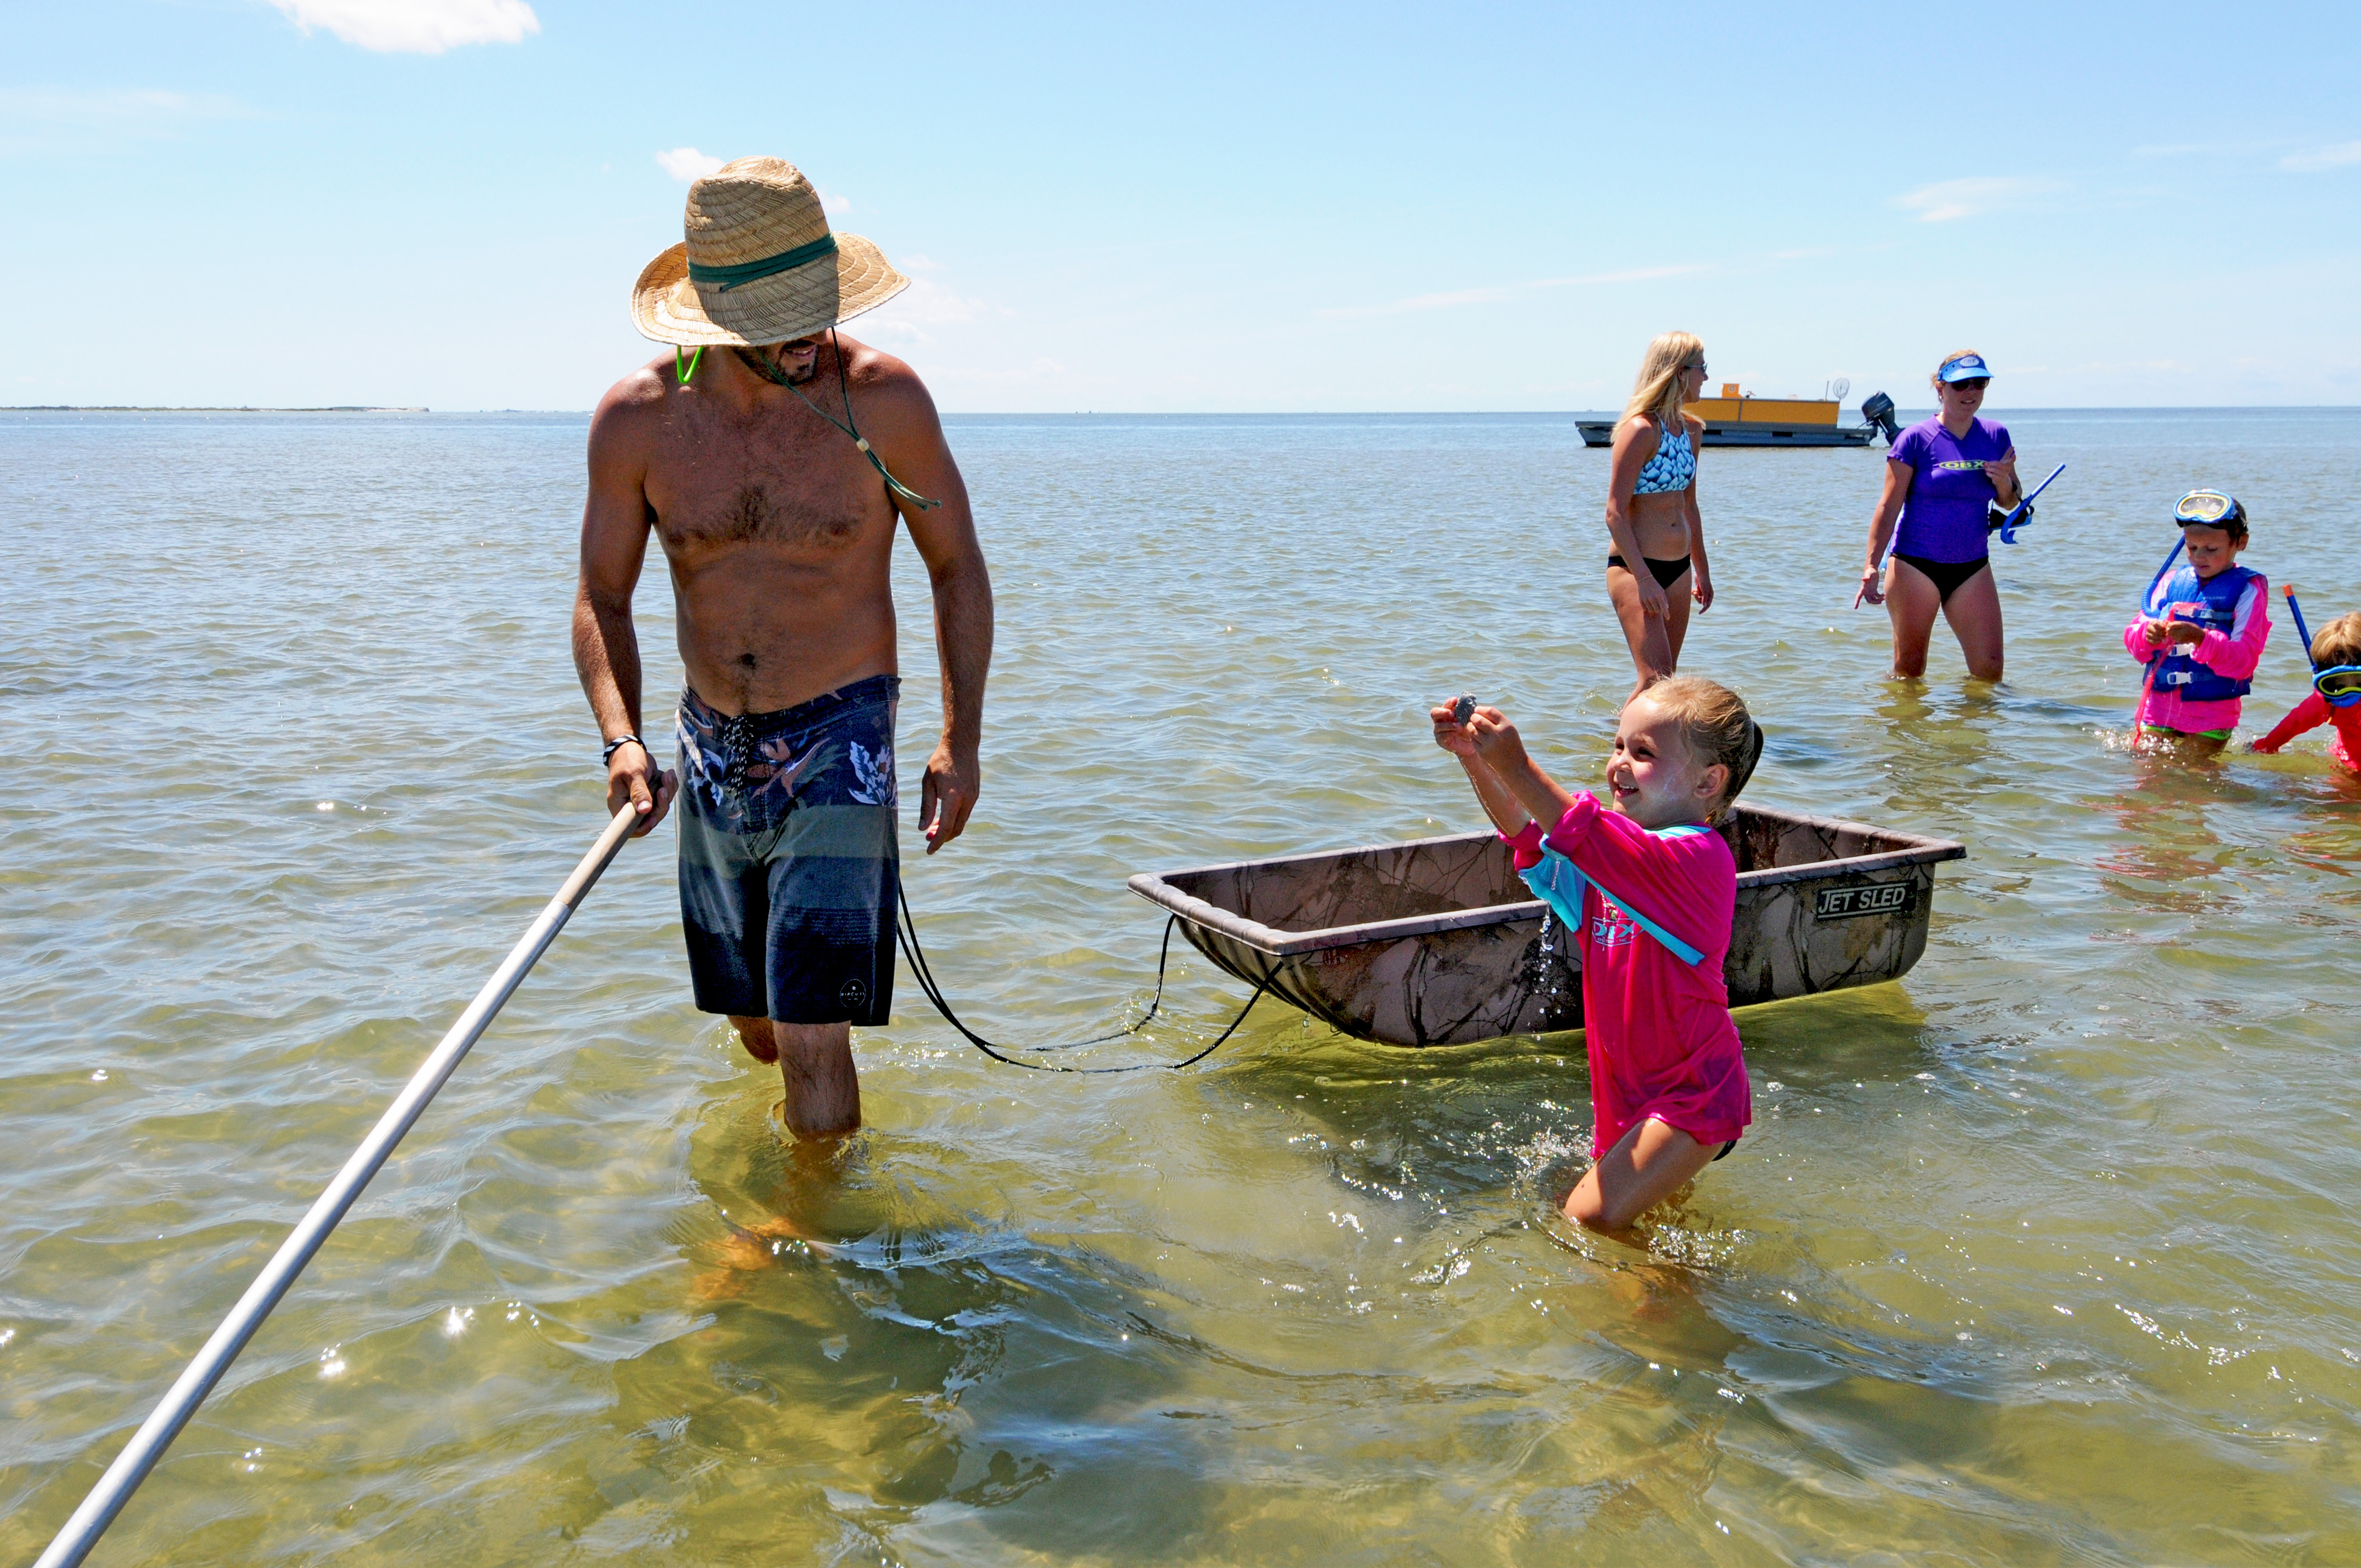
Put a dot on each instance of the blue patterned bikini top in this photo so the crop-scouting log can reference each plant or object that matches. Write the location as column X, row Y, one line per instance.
column 1672, row 468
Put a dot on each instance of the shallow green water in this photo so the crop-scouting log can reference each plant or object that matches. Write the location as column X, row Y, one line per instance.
column 2043, row 1255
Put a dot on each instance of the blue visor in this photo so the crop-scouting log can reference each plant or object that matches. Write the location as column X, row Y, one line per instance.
column 1966, row 368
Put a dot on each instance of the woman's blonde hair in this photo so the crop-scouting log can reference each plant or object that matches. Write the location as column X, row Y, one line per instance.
column 1934, row 377
column 2338, row 643
column 1658, row 389
column 1716, row 728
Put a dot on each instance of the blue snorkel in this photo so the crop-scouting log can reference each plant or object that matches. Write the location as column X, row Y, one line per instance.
column 2287, row 591
column 2022, row 513
column 2148, row 670
column 2344, row 678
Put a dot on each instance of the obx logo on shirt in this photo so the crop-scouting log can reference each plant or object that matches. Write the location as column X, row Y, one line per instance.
column 1611, row 927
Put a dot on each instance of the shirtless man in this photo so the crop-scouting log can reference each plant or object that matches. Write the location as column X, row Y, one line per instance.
column 748, row 460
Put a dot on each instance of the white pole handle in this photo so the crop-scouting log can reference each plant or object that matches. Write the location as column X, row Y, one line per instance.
column 156, row 1433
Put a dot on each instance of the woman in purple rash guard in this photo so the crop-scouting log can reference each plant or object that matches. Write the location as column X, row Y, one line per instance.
column 1941, row 479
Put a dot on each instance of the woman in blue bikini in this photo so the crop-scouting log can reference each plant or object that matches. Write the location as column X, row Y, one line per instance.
column 1942, row 479
column 1651, row 509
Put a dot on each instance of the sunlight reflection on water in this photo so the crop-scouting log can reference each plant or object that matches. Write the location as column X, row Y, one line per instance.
column 2040, row 1254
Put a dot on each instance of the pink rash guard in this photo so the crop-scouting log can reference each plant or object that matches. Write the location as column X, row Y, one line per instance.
column 1657, row 1030
column 2235, row 654
column 2310, row 714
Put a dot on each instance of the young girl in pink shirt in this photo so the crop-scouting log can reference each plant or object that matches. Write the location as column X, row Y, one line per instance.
column 2337, row 649
column 1655, row 886
column 2201, row 630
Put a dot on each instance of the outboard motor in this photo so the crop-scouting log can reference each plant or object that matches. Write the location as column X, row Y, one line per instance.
column 1878, row 410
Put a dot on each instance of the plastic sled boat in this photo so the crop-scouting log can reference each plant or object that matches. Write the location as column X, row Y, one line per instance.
column 1436, row 942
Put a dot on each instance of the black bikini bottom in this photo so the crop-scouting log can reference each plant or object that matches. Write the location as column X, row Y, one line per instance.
column 1946, row 575
column 1666, row 572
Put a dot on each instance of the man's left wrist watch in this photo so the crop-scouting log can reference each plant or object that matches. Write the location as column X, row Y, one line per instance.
column 607, row 753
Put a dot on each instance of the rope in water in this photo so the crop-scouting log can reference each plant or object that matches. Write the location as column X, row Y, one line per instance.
column 907, row 933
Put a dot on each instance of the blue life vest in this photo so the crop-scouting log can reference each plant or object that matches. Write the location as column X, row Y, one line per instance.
column 1556, row 882
column 2217, row 599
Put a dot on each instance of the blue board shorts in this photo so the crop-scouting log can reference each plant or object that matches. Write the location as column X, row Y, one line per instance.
column 788, row 859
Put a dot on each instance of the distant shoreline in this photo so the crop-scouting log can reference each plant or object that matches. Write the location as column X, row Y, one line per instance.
column 1910, row 410
column 175, row 409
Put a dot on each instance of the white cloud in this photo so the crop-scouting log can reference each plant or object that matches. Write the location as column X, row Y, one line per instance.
column 1497, row 292
column 34, row 120
column 1042, row 371
column 415, row 26
column 686, row 163
column 115, row 107
column 906, row 317
column 1948, row 199
column 2202, row 148
column 2338, row 157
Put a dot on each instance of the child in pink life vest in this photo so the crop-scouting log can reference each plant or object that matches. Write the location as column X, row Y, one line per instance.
column 1646, row 887
column 2337, row 650
column 2200, row 630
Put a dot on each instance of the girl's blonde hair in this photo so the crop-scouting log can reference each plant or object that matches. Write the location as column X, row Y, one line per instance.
column 2338, row 643
column 1658, row 389
column 1934, row 377
column 1716, row 728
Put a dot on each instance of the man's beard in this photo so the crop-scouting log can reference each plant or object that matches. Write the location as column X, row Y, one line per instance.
column 761, row 364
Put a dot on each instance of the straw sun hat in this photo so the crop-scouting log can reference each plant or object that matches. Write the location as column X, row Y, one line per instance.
column 760, row 265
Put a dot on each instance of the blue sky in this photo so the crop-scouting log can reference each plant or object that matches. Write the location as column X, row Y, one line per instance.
column 443, row 203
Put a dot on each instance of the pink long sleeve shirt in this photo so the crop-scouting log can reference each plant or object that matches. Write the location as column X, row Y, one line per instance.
column 2310, row 714
column 1658, row 1031
column 2233, row 653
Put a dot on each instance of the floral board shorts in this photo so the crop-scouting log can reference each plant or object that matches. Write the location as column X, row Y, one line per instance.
column 788, row 860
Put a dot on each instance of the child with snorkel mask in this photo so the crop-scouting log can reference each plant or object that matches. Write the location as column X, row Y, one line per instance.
column 2336, row 695
column 2202, row 627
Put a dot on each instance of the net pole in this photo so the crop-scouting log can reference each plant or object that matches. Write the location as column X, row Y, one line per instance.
column 147, row 1446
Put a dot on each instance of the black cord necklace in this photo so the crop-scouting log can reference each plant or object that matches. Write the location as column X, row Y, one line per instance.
column 761, row 364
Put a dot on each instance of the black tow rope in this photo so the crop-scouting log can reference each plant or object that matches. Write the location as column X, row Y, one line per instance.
column 907, row 934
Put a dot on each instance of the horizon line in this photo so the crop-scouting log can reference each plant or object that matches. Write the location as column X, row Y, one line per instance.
column 1113, row 413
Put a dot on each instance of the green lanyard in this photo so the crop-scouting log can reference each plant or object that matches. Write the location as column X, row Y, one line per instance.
column 685, row 369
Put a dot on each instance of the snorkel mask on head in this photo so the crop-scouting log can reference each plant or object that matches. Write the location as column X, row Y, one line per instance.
column 2197, row 509
column 2338, row 686
column 2209, row 509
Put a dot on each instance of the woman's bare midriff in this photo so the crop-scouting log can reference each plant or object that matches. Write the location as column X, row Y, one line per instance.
column 1661, row 524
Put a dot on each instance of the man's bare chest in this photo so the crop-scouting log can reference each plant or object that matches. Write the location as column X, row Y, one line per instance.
column 770, row 491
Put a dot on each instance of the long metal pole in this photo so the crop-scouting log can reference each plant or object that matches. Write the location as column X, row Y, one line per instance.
column 157, row 1433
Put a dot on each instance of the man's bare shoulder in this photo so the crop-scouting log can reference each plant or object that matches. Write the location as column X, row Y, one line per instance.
column 883, row 382
column 627, row 417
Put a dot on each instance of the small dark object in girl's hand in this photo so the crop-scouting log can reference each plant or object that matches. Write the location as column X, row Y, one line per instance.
column 1463, row 710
